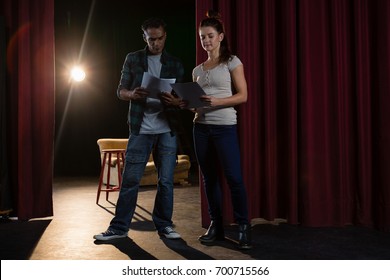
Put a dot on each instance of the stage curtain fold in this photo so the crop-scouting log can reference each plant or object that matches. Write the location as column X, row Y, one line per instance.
column 30, row 103
column 314, row 133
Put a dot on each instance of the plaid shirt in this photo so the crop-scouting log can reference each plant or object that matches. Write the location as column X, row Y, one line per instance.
column 135, row 65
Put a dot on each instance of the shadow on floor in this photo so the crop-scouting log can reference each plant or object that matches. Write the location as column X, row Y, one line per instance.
column 182, row 248
column 288, row 242
column 128, row 247
column 19, row 238
column 135, row 252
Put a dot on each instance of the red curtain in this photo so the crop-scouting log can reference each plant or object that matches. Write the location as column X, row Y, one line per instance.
column 315, row 131
column 30, row 102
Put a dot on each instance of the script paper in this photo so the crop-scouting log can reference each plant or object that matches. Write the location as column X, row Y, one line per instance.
column 190, row 92
column 156, row 85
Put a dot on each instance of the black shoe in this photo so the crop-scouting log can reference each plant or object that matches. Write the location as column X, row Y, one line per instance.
column 215, row 232
column 244, row 237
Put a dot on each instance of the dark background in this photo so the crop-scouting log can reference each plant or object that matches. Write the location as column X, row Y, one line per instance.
column 90, row 110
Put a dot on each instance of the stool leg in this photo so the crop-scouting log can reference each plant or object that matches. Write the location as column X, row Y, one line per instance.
column 122, row 154
column 118, row 165
column 101, row 178
column 108, row 175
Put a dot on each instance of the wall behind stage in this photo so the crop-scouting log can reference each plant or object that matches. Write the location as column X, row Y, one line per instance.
column 98, row 35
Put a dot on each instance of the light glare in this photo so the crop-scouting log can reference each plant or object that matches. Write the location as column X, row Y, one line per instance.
column 77, row 74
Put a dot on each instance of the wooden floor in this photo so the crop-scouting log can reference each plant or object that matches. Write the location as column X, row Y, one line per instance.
column 68, row 235
column 77, row 218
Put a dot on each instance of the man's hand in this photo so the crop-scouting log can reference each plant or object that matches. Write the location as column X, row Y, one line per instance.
column 171, row 100
column 138, row 94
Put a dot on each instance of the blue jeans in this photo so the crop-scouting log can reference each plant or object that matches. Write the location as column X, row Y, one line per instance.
column 217, row 145
column 138, row 151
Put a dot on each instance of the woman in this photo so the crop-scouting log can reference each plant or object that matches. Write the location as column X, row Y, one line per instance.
column 215, row 129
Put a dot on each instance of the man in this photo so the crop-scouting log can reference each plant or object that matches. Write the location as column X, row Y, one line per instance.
column 151, row 130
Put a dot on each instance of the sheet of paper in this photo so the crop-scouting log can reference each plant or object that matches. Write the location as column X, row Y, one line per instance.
column 191, row 92
column 156, row 85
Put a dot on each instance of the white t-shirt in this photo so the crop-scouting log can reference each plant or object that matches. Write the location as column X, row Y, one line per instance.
column 154, row 120
column 216, row 82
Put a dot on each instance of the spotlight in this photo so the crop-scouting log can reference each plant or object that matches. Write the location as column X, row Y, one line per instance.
column 77, row 74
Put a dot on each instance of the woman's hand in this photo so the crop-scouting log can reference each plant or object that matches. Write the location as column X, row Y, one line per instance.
column 210, row 101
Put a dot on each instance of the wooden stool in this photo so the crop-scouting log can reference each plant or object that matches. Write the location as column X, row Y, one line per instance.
column 120, row 160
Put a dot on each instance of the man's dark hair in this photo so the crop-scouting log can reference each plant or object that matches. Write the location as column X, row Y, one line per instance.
column 153, row 23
